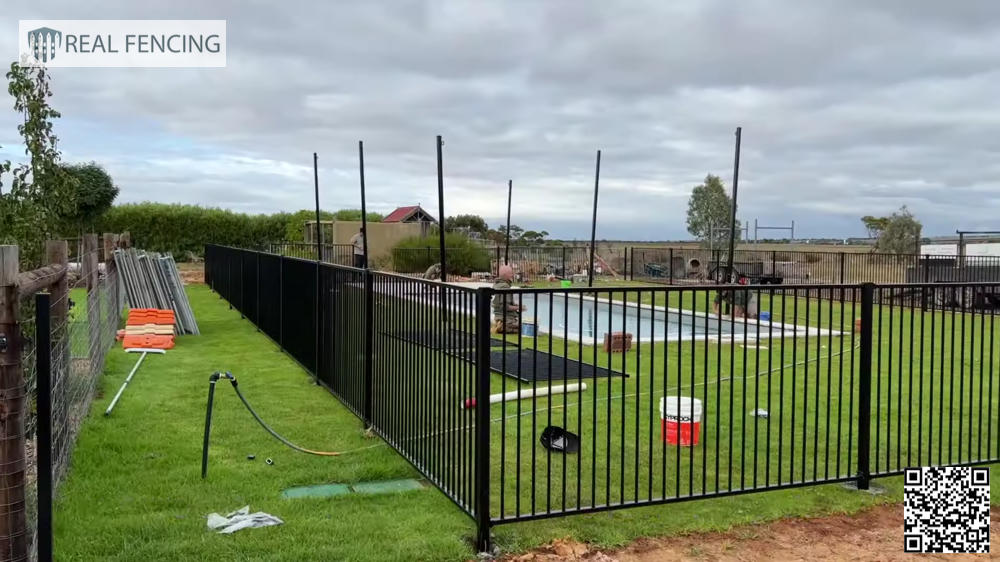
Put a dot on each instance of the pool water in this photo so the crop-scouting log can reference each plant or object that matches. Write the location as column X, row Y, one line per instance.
column 587, row 320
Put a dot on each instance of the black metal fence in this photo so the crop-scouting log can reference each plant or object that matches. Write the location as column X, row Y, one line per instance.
column 617, row 397
column 686, row 265
column 397, row 351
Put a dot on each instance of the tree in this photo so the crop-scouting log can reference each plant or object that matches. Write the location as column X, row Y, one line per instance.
column 40, row 191
column 710, row 211
column 355, row 215
column 533, row 238
column 94, row 192
column 468, row 223
column 901, row 233
column 874, row 225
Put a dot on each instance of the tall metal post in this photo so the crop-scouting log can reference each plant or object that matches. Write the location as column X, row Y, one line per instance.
column 43, row 452
column 482, row 467
column 364, row 209
column 865, row 387
column 593, row 222
column 441, row 221
column 506, row 250
column 369, row 364
column 671, row 266
column 317, row 322
column 732, row 222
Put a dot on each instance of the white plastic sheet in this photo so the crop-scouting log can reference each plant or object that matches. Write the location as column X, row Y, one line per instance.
column 240, row 519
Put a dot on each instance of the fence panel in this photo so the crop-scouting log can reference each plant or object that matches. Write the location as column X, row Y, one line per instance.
column 345, row 322
column 425, row 348
column 299, row 310
column 777, row 400
column 934, row 402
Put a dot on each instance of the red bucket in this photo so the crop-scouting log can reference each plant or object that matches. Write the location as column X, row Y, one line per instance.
column 680, row 420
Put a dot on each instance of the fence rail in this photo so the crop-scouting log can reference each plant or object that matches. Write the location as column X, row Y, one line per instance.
column 638, row 395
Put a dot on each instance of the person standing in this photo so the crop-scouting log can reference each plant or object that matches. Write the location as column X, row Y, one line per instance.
column 506, row 314
column 358, row 241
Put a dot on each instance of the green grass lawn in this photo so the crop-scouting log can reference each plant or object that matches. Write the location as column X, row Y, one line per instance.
column 135, row 493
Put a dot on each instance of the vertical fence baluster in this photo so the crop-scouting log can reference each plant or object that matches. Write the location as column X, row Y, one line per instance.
column 482, row 467
column 865, row 387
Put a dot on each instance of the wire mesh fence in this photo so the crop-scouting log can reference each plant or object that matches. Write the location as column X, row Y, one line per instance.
column 60, row 367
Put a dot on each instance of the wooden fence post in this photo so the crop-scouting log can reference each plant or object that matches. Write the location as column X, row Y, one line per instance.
column 108, row 242
column 57, row 253
column 90, row 273
column 13, row 518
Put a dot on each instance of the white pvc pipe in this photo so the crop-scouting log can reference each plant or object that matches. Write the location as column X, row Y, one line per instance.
column 528, row 393
column 128, row 379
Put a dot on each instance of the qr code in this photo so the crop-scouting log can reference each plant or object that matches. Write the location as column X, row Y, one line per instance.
column 946, row 510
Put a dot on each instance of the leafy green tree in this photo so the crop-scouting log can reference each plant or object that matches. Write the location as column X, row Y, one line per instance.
column 710, row 211
column 40, row 191
column 875, row 225
column 94, row 193
column 469, row 223
column 355, row 215
column 901, row 233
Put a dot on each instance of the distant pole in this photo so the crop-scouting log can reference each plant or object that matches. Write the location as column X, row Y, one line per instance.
column 736, row 184
column 444, row 268
column 506, row 250
column 593, row 222
column 319, row 259
column 364, row 209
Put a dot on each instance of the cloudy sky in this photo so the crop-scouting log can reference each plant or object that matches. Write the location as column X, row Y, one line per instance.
column 848, row 107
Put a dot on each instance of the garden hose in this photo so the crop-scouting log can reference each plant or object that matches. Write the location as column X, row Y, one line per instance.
column 208, row 422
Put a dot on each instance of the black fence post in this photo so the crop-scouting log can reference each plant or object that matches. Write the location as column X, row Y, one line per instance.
column 482, row 510
column 671, row 279
column 256, row 306
column 843, row 268
column 43, row 452
column 229, row 280
column 243, row 304
column 281, row 302
column 564, row 273
column 369, row 345
column 774, row 263
column 865, row 387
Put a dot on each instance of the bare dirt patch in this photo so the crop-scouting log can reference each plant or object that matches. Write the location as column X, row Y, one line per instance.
column 192, row 272
column 874, row 534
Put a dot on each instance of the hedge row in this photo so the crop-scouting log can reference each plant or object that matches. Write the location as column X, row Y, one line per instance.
column 185, row 229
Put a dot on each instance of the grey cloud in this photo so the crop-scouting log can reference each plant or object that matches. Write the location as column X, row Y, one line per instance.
column 848, row 108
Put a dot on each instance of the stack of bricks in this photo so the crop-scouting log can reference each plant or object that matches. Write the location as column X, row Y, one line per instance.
column 148, row 328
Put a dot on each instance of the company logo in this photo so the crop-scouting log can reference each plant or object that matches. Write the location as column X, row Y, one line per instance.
column 43, row 43
column 122, row 43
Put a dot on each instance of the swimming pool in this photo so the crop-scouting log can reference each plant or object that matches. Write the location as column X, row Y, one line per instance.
column 587, row 320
